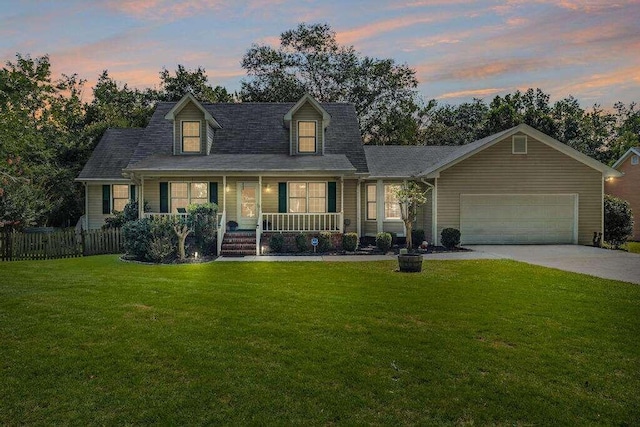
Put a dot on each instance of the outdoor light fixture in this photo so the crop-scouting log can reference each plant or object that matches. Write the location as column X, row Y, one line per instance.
column 195, row 255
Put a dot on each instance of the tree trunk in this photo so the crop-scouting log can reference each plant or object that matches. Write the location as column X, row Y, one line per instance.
column 409, row 226
column 182, row 231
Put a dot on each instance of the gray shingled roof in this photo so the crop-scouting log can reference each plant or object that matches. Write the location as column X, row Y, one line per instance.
column 256, row 128
column 395, row 161
column 111, row 155
column 330, row 163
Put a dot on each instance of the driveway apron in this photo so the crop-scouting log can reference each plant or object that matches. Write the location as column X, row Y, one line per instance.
column 605, row 263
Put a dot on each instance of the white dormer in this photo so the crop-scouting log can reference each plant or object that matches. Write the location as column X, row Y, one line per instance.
column 193, row 127
column 307, row 121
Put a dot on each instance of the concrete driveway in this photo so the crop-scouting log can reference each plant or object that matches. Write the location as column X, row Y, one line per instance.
column 597, row 262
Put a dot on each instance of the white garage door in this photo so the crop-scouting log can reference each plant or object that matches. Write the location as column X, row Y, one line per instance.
column 518, row 218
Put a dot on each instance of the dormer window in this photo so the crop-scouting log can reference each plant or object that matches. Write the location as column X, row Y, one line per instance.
column 191, row 136
column 306, row 136
column 519, row 144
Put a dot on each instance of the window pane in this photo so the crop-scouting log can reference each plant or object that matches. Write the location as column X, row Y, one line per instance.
column 119, row 204
column 120, row 191
column 191, row 129
column 317, row 204
column 178, row 203
column 371, row 211
column 317, row 189
column 199, row 190
column 307, row 129
column 371, row 193
column 297, row 205
column 391, row 206
column 298, row 189
column 191, row 144
column 179, row 190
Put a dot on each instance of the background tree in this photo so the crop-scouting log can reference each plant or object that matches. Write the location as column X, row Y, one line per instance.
column 173, row 87
column 309, row 60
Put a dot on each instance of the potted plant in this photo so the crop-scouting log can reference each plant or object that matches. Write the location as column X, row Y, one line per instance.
column 232, row 225
column 410, row 196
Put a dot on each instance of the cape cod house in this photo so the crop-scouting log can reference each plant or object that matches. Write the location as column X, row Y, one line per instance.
column 302, row 167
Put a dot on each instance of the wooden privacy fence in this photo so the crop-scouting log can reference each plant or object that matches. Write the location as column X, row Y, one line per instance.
column 68, row 243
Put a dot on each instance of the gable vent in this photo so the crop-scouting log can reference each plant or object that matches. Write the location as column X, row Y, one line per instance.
column 519, row 144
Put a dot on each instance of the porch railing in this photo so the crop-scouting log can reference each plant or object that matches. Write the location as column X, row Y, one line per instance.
column 301, row 222
column 165, row 215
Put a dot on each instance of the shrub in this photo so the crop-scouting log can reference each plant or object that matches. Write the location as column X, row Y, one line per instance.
column 130, row 213
column 324, row 242
column 276, row 243
column 394, row 238
column 618, row 221
column 383, row 241
column 350, row 242
column 450, row 238
column 417, row 237
column 301, row 242
column 137, row 236
column 202, row 218
column 161, row 249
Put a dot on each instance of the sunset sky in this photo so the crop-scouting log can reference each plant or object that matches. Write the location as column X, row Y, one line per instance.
column 460, row 49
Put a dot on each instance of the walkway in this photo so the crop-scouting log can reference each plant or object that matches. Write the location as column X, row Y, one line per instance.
column 358, row 258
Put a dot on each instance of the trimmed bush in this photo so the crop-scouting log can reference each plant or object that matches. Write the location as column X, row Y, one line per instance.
column 383, row 241
column 301, row 242
column 276, row 243
column 137, row 236
column 450, row 238
column 130, row 213
column 324, row 242
column 350, row 242
column 202, row 218
column 618, row 221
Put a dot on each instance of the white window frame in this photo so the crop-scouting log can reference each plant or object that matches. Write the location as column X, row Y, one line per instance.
column 189, row 191
column 369, row 202
column 114, row 198
column 513, row 144
column 384, row 193
column 315, row 137
column 635, row 159
column 182, row 150
column 307, row 197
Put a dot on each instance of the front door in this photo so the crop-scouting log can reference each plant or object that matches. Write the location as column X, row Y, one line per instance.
column 247, row 205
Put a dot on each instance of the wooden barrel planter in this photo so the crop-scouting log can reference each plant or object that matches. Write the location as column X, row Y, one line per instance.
column 410, row 263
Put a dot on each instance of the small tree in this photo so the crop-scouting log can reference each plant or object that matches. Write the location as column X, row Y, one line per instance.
column 410, row 196
column 618, row 221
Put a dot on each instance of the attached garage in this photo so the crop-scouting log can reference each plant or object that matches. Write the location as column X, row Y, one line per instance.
column 519, row 218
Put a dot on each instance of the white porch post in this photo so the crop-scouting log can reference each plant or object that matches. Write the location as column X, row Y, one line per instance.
column 86, row 205
column 141, row 198
column 380, row 206
column 224, row 193
column 434, row 212
column 341, row 228
column 359, row 208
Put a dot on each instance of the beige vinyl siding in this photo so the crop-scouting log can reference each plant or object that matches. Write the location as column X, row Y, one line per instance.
column 306, row 113
column 95, row 215
column 543, row 170
column 190, row 113
column 424, row 220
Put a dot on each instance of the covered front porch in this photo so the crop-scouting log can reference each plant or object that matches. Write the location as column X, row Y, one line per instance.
column 259, row 203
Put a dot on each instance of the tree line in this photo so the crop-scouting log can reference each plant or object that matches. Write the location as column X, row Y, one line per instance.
column 47, row 130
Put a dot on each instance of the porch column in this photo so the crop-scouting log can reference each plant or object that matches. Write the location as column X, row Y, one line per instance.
column 380, row 206
column 86, row 205
column 224, row 193
column 141, row 198
column 434, row 212
column 341, row 204
column 359, row 208
column 259, row 195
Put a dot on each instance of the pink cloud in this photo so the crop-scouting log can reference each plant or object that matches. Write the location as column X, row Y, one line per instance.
column 164, row 10
column 473, row 93
column 376, row 28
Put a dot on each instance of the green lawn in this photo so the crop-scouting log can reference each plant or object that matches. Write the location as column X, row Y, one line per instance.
column 97, row 341
column 633, row 247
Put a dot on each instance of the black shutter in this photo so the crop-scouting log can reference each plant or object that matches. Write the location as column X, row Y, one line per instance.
column 331, row 200
column 213, row 192
column 106, row 199
column 132, row 193
column 282, row 197
column 164, row 197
